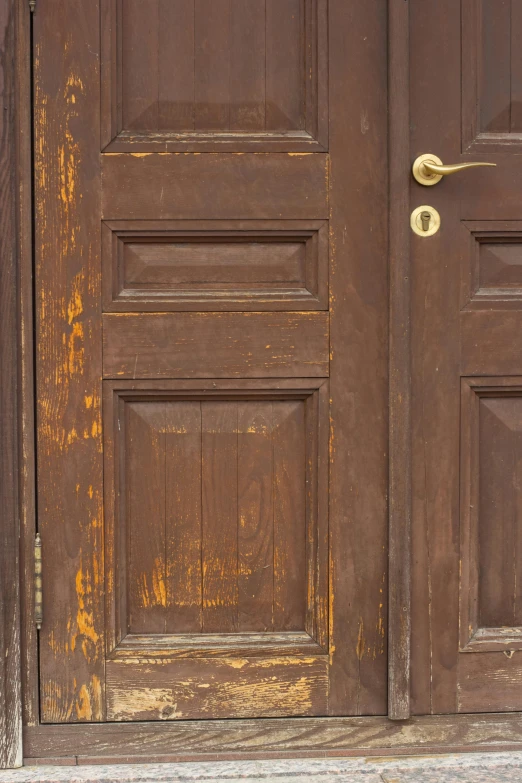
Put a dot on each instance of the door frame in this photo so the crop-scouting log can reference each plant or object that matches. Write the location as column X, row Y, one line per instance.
column 397, row 733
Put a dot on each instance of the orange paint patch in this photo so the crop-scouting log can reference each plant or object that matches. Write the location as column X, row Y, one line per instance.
column 85, row 630
column 360, row 641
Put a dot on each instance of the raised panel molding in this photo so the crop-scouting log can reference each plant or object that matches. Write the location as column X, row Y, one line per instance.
column 491, row 515
column 214, row 74
column 230, row 478
column 491, row 75
column 215, row 265
column 492, row 273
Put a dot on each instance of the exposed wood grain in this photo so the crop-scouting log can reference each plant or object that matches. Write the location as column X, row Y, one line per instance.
column 10, row 653
column 270, row 738
column 466, row 530
column 256, row 522
column 216, row 645
column 289, row 474
column 210, row 74
column 217, row 688
column 498, row 512
column 490, row 520
column 219, row 466
column 359, row 353
column 183, row 517
column 490, row 682
column 68, row 333
column 223, row 440
column 212, row 345
column 220, row 186
column 27, row 466
column 145, row 503
column 435, row 371
column 399, row 578
column 291, row 460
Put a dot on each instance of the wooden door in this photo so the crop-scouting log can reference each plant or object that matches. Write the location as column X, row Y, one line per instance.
column 466, row 82
column 211, row 361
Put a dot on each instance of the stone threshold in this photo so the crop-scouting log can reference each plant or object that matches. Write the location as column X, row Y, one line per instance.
column 499, row 767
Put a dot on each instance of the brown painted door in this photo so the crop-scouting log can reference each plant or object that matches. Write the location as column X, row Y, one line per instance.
column 211, row 358
column 466, row 82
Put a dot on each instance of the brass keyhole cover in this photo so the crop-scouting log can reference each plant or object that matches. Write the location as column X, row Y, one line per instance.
column 419, row 222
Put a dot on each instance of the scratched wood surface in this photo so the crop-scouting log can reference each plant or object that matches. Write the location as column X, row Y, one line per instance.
column 215, row 265
column 223, row 186
column 399, row 603
column 198, row 74
column 200, row 740
column 26, row 455
column 359, row 354
column 215, row 345
column 215, row 472
column 68, row 381
column 216, row 513
column 466, row 366
column 226, row 72
column 10, row 642
column 217, row 688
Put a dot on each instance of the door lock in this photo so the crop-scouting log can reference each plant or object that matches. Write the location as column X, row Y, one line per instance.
column 425, row 221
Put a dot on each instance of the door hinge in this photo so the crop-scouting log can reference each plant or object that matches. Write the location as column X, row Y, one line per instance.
column 38, row 591
column 32, row 5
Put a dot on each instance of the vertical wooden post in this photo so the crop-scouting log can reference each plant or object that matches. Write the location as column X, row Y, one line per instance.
column 400, row 365
column 10, row 671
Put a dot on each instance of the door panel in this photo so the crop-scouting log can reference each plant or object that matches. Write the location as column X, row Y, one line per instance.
column 215, row 265
column 207, row 74
column 492, row 72
column 228, row 345
column 194, row 244
column 467, row 362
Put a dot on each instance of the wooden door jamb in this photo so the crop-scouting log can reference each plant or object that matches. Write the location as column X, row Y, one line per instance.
column 399, row 574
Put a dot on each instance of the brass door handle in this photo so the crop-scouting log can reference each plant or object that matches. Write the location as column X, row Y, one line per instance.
column 429, row 169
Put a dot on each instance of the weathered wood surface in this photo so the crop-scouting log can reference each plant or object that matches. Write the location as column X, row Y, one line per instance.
column 215, row 265
column 237, row 474
column 466, row 359
column 178, row 186
column 68, row 335
column 27, row 466
column 215, row 345
column 202, row 740
column 359, row 355
column 10, row 655
column 400, row 519
column 217, row 688
column 205, row 74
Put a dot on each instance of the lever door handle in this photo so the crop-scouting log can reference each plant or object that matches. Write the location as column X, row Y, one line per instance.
column 429, row 169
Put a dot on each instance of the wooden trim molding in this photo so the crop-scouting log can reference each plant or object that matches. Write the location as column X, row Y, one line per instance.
column 399, row 576
column 117, row 743
column 10, row 658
